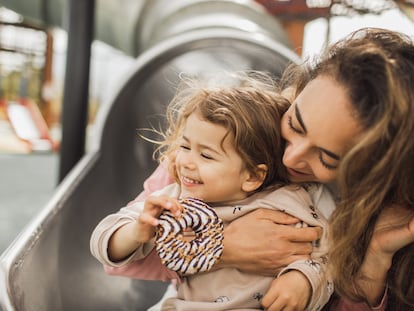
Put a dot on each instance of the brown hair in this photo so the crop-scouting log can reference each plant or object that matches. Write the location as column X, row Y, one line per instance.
column 376, row 67
column 247, row 105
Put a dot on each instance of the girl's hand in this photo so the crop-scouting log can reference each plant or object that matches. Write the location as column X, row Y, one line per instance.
column 129, row 237
column 153, row 207
column 148, row 220
column 264, row 241
column 289, row 292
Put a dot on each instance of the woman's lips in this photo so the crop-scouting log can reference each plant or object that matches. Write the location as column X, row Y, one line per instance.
column 296, row 173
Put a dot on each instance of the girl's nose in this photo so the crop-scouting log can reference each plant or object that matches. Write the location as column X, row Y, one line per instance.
column 187, row 160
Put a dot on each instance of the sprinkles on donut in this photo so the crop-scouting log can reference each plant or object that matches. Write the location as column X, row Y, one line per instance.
column 200, row 253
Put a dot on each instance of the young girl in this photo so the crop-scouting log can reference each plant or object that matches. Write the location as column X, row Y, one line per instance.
column 224, row 147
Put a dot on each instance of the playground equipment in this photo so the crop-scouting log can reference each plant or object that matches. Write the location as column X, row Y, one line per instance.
column 49, row 266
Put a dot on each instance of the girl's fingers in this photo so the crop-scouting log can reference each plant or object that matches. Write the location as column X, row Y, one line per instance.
column 148, row 219
column 162, row 202
column 173, row 206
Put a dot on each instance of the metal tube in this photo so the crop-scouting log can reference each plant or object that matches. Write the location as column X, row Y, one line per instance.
column 76, row 88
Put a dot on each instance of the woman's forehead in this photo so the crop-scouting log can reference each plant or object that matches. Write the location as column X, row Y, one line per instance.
column 326, row 111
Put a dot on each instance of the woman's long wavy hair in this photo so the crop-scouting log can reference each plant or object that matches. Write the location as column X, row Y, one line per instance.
column 376, row 67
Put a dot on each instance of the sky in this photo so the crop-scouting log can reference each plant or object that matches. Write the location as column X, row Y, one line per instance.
column 315, row 31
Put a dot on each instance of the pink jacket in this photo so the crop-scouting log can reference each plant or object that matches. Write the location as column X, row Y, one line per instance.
column 154, row 269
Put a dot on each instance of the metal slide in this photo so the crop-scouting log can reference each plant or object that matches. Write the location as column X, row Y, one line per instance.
column 49, row 266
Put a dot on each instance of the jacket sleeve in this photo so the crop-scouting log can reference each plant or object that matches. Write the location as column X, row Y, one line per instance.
column 149, row 267
column 105, row 229
column 316, row 271
column 302, row 205
column 343, row 304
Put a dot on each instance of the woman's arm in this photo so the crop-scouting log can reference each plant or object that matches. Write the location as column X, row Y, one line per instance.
column 258, row 242
column 342, row 304
column 394, row 229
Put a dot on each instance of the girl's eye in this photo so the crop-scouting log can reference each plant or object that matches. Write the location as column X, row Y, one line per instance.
column 185, row 147
column 326, row 165
column 290, row 123
column 206, row 156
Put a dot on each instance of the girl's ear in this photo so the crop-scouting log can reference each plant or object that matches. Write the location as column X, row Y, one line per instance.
column 254, row 180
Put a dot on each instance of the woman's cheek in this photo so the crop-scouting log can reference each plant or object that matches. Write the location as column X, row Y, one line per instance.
column 324, row 175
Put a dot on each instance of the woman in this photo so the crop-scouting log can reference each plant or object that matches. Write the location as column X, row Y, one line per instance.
column 349, row 126
column 351, row 121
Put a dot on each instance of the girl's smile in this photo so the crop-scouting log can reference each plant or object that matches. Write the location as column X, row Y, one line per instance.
column 208, row 164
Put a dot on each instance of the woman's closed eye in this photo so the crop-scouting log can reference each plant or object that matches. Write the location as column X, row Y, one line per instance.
column 322, row 153
column 325, row 164
column 292, row 127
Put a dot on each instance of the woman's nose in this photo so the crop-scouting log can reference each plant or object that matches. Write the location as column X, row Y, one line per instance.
column 295, row 155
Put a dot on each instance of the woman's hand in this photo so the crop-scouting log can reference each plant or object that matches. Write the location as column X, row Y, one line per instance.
column 264, row 241
column 394, row 230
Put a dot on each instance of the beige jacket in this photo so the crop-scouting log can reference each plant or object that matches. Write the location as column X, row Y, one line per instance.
column 228, row 288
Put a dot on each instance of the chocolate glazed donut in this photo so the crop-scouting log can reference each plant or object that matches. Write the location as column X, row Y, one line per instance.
column 201, row 253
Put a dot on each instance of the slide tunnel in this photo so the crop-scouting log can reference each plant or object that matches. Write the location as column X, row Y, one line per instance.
column 49, row 266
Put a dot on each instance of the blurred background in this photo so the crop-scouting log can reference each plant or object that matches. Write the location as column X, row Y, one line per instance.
column 77, row 78
column 33, row 72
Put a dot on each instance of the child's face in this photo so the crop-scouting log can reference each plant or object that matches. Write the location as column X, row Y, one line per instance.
column 208, row 167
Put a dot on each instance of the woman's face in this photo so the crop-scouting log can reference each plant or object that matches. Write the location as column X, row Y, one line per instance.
column 319, row 128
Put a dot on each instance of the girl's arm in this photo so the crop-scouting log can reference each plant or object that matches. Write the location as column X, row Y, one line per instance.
column 128, row 238
column 259, row 242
